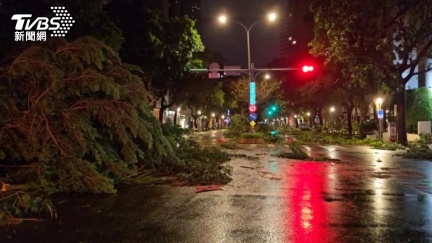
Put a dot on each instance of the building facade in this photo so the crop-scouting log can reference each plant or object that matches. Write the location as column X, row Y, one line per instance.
column 161, row 6
column 296, row 28
column 185, row 8
column 176, row 8
column 423, row 79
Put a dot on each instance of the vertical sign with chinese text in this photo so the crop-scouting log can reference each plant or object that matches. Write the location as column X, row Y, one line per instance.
column 252, row 93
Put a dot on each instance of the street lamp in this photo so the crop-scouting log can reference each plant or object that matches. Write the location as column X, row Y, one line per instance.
column 199, row 120
column 223, row 19
column 212, row 121
column 380, row 119
column 267, row 76
column 332, row 110
column 251, row 69
column 272, row 16
column 379, row 102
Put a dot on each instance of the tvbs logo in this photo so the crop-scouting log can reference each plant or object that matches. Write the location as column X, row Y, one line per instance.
column 30, row 29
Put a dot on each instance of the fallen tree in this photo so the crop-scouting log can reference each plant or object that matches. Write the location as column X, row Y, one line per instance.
column 73, row 117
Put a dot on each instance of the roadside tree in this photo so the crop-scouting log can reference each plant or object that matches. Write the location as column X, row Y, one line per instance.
column 267, row 90
column 390, row 38
column 165, row 49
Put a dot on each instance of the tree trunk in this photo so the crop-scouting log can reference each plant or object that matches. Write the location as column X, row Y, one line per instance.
column 175, row 117
column 319, row 111
column 401, row 117
column 375, row 115
column 357, row 120
column 195, row 118
column 161, row 110
column 350, row 109
column 311, row 119
column 384, row 119
column 314, row 114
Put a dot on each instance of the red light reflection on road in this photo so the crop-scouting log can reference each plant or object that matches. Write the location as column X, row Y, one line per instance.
column 307, row 212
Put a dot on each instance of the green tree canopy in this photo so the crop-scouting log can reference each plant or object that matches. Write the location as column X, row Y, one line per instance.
column 387, row 38
column 266, row 90
column 164, row 48
column 419, row 107
column 77, row 116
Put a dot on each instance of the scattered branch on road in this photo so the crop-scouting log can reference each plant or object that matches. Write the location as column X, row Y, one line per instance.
column 247, row 157
column 207, row 188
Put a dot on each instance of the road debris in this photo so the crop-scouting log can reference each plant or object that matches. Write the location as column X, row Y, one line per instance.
column 208, row 188
column 247, row 167
column 270, row 175
column 179, row 183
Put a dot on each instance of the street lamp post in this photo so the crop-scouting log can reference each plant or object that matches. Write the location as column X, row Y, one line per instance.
column 212, row 121
column 199, row 120
column 223, row 18
column 332, row 109
column 177, row 118
column 251, row 68
column 380, row 120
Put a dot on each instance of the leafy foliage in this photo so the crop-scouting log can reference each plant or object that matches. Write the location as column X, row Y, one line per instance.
column 239, row 124
column 419, row 152
column 164, row 48
column 368, row 126
column 382, row 39
column 252, row 135
column 419, row 107
column 231, row 146
column 273, row 138
column 203, row 94
column 425, row 138
column 266, row 90
column 297, row 152
column 385, row 145
column 204, row 166
column 78, row 115
column 21, row 204
column 197, row 165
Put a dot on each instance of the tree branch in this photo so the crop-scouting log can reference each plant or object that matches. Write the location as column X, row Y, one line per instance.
column 49, row 130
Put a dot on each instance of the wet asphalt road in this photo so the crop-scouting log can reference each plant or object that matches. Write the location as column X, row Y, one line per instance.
column 369, row 196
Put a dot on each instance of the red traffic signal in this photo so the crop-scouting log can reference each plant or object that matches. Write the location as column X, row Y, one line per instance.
column 306, row 69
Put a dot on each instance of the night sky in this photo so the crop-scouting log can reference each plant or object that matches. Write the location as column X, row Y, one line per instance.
column 230, row 39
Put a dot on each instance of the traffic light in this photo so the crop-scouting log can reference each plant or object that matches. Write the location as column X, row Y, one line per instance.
column 272, row 110
column 307, row 68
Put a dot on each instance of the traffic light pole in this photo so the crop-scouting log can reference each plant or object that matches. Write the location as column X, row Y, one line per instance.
column 253, row 73
column 249, row 72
